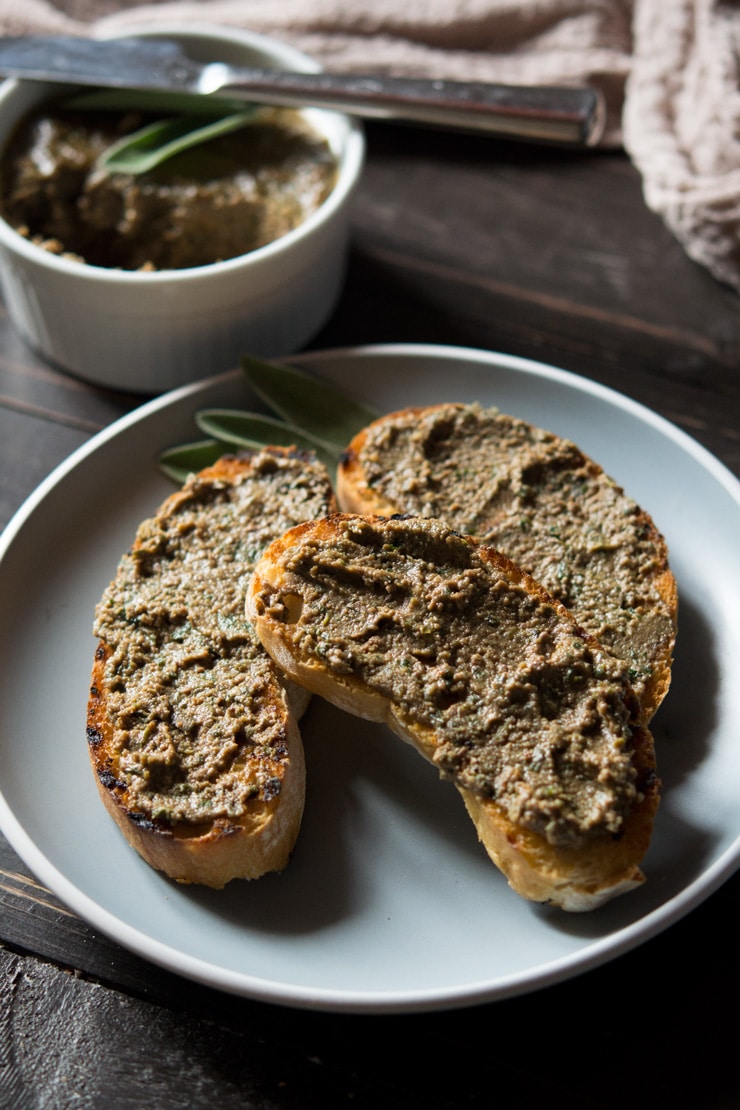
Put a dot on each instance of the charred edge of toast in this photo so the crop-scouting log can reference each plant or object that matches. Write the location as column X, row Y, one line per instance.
column 98, row 739
column 272, row 817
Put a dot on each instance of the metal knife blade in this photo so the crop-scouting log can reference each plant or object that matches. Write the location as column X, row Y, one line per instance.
column 569, row 116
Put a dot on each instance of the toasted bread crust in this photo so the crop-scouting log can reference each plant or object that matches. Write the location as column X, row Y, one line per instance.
column 363, row 488
column 257, row 834
column 575, row 876
column 214, row 852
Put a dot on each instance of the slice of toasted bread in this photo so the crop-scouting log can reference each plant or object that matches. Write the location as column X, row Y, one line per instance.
column 192, row 731
column 404, row 621
column 536, row 497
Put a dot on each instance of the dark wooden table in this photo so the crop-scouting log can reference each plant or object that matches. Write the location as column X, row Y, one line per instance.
column 456, row 240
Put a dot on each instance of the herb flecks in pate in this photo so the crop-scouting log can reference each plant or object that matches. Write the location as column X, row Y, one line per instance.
column 522, row 707
column 537, row 498
column 190, row 693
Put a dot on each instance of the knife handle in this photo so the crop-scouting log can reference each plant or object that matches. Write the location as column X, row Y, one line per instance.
column 548, row 114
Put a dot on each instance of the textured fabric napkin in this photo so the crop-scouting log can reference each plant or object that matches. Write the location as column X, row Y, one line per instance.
column 669, row 71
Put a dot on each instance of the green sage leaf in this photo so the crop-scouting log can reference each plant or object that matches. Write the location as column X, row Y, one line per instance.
column 320, row 410
column 312, row 416
column 251, row 429
column 147, row 148
column 178, row 463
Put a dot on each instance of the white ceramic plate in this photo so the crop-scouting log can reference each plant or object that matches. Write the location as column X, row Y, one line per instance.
column 389, row 904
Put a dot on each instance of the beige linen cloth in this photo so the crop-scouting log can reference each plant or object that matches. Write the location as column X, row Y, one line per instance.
column 668, row 70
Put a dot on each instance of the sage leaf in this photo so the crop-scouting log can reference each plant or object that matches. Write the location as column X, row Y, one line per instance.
column 147, row 148
column 178, row 463
column 312, row 416
column 320, row 410
column 251, row 429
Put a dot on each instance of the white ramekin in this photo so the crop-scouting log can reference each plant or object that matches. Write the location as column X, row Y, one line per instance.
column 151, row 332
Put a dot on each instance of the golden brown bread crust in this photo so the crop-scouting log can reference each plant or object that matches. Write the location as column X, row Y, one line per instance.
column 257, row 835
column 358, row 492
column 281, row 605
column 214, row 852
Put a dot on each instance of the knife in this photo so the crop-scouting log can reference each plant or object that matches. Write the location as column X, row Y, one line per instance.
column 562, row 115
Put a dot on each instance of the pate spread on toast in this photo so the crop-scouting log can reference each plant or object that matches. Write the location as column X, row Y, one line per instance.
column 405, row 621
column 192, row 730
column 536, row 497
